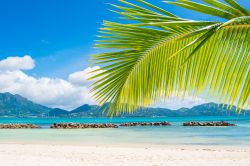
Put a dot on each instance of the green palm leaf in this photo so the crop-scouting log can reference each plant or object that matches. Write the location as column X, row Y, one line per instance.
column 159, row 54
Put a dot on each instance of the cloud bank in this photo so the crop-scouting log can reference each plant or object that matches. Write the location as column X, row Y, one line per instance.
column 52, row 92
column 176, row 103
column 59, row 93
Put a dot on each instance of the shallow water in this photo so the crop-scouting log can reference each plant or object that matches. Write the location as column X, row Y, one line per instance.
column 156, row 135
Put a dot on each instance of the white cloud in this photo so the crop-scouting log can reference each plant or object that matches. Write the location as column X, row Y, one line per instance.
column 55, row 92
column 48, row 91
column 81, row 77
column 17, row 63
column 178, row 102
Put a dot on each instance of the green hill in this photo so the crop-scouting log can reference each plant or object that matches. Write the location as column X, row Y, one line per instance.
column 18, row 106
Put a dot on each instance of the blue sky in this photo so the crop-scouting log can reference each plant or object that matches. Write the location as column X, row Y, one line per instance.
column 59, row 34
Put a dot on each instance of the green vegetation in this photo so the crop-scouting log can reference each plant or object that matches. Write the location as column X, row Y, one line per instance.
column 209, row 109
column 156, row 54
column 18, row 106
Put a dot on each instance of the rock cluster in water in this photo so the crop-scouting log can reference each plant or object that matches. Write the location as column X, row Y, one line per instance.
column 222, row 123
column 145, row 124
column 18, row 126
column 81, row 125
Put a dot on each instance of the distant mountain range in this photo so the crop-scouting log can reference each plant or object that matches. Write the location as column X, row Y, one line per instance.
column 18, row 106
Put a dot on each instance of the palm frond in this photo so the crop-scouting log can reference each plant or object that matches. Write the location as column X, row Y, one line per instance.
column 160, row 54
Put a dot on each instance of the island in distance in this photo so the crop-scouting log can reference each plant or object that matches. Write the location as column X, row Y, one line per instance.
column 18, row 106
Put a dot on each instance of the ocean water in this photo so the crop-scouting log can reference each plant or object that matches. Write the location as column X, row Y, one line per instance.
column 153, row 135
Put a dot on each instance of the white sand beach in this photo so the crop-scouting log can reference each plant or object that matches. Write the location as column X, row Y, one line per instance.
column 83, row 155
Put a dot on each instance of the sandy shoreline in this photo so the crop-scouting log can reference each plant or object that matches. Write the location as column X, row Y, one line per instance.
column 64, row 155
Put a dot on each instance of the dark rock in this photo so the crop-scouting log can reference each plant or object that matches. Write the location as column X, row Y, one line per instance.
column 145, row 124
column 81, row 125
column 221, row 123
column 18, row 126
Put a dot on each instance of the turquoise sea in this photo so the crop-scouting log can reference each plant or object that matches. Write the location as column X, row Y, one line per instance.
column 169, row 135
